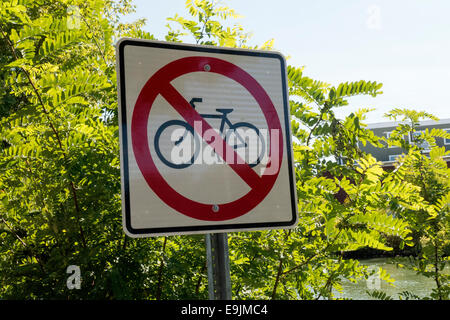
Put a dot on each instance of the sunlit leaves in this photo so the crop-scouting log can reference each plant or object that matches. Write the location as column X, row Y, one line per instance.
column 58, row 157
column 208, row 26
column 422, row 167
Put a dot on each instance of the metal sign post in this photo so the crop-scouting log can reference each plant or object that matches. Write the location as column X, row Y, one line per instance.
column 209, row 265
column 219, row 282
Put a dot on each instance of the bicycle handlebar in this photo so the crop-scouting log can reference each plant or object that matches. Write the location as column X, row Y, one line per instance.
column 194, row 100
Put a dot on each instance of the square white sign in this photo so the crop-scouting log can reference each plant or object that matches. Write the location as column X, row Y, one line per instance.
column 205, row 142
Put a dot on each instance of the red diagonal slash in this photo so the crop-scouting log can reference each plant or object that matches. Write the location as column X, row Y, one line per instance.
column 191, row 116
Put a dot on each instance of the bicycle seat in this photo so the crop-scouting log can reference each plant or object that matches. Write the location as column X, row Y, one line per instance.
column 224, row 111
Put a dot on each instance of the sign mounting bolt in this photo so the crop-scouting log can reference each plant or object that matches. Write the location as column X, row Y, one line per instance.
column 215, row 208
column 207, row 67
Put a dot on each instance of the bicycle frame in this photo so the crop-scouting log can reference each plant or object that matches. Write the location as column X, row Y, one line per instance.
column 222, row 116
column 218, row 116
column 224, row 121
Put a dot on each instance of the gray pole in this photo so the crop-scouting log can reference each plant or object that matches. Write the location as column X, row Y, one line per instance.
column 209, row 264
column 219, row 283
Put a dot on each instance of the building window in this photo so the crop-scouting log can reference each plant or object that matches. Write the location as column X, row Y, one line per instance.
column 447, row 141
column 393, row 157
column 424, row 145
column 388, row 135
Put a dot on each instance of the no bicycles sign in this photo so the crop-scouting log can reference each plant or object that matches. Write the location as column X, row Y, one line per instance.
column 205, row 139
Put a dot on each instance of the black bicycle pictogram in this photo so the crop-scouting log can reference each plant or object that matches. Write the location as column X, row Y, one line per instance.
column 232, row 136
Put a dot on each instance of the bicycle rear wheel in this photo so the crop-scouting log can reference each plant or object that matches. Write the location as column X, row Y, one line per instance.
column 248, row 142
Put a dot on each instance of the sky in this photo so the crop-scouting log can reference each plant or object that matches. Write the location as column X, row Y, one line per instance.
column 404, row 44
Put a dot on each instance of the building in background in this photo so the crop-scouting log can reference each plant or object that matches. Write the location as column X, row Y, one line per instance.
column 388, row 155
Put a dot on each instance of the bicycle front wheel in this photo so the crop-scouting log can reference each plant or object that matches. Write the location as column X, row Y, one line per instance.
column 176, row 144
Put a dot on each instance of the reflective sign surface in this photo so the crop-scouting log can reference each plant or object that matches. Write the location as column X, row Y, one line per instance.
column 205, row 139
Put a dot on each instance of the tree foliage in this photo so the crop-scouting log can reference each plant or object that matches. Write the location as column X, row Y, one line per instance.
column 60, row 179
column 422, row 165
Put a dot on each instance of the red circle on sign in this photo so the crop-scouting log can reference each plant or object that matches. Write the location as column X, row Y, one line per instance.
column 156, row 85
